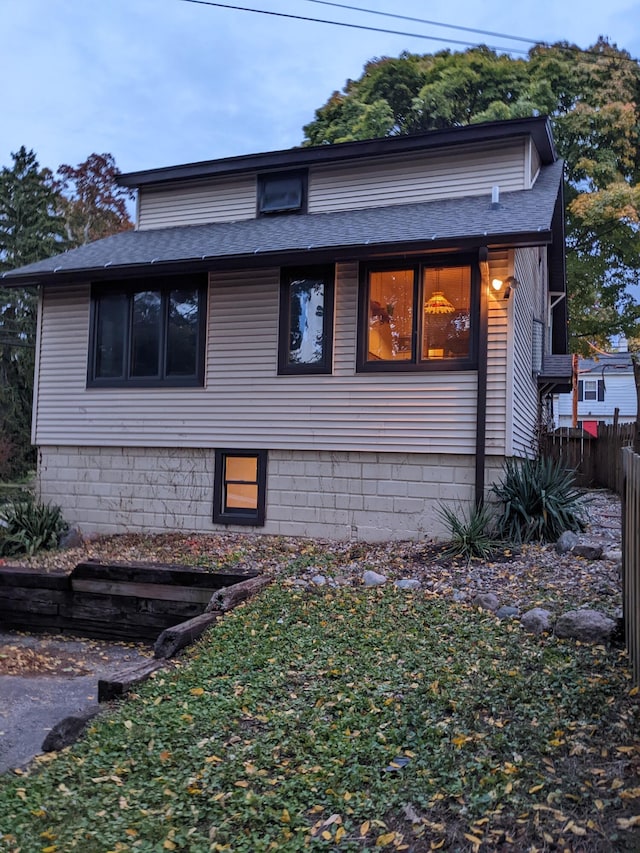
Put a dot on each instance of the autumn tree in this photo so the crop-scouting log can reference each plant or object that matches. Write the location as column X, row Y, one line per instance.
column 93, row 204
column 31, row 228
column 593, row 99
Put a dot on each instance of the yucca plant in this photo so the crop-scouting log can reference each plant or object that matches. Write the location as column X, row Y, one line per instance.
column 539, row 501
column 27, row 526
column 470, row 532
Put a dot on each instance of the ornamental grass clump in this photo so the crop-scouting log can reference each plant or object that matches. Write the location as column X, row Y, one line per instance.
column 539, row 501
column 27, row 526
column 470, row 534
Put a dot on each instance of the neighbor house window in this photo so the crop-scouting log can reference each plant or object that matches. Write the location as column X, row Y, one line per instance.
column 282, row 192
column 306, row 320
column 148, row 332
column 239, row 487
column 591, row 389
column 417, row 317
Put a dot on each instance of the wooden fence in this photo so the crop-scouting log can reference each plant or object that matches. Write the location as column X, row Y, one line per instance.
column 596, row 461
column 631, row 557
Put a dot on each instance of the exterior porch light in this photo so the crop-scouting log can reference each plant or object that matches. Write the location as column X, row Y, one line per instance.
column 508, row 284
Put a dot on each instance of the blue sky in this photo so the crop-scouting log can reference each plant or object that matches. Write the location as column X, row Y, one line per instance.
column 161, row 82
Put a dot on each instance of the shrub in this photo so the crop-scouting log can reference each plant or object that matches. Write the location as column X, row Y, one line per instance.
column 27, row 526
column 539, row 501
column 470, row 534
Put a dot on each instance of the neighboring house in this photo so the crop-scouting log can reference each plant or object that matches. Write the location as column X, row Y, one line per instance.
column 604, row 384
column 328, row 341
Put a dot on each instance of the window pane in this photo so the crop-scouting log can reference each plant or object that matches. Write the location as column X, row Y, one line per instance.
column 242, row 468
column 281, row 193
column 145, row 333
column 182, row 333
column 241, row 496
column 447, row 312
column 590, row 389
column 111, row 324
column 306, row 321
column 390, row 323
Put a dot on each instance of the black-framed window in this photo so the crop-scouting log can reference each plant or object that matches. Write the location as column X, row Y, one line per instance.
column 282, row 192
column 148, row 332
column 418, row 316
column 305, row 341
column 591, row 390
column 240, row 483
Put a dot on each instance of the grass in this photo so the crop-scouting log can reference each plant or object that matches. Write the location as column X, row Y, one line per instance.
column 350, row 720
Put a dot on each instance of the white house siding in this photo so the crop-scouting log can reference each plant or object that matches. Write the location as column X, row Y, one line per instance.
column 497, row 359
column 620, row 393
column 335, row 495
column 419, row 177
column 527, row 305
column 221, row 200
column 244, row 401
column 348, row 186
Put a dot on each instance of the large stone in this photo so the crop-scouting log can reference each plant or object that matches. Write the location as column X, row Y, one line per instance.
column 487, row 601
column 536, row 621
column 371, row 578
column 67, row 731
column 589, row 552
column 588, row 626
column 507, row 612
column 567, row 541
column 408, row 583
column 71, row 539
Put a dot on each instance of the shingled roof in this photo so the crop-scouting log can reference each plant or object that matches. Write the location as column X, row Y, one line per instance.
column 524, row 217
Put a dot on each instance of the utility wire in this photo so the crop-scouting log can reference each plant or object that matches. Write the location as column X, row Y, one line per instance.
column 424, row 21
column 351, row 26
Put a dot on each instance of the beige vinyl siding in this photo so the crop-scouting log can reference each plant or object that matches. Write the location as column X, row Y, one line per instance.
column 416, row 178
column 222, row 200
column 244, row 402
column 527, row 296
column 497, row 358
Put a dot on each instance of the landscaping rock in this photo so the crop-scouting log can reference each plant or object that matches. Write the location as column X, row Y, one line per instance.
column 613, row 555
column 67, row 731
column 588, row 626
column 507, row 612
column 71, row 539
column 371, row 578
column 589, row 552
column 567, row 541
column 319, row 580
column 487, row 601
column 536, row 621
column 408, row 583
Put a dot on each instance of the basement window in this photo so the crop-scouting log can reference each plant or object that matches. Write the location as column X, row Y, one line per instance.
column 240, row 482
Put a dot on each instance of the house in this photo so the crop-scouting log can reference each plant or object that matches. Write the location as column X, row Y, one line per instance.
column 605, row 385
column 328, row 341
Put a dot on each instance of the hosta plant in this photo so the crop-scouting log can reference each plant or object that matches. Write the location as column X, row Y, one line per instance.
column 27, row 526
column 539, row 501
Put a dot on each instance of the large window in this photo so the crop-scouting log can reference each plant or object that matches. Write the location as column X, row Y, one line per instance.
column 417, row 317
column 306, row 320
column 239, row 487
column 148, row 332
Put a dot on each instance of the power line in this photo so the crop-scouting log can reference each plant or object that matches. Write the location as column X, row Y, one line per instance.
column 351, row 26
column 425, row 21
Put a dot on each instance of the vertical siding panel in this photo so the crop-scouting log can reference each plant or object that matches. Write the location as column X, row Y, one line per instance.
column 497, row 364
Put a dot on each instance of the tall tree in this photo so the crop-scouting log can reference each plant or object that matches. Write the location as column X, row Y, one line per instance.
column 93, row 204
column 31, row 229
column 593, row 99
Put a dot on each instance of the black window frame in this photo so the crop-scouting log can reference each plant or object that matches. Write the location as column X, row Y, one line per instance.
column 288, row 276
column 226, row 515
column 263, row 179
column 165, row 285
column 416, row 364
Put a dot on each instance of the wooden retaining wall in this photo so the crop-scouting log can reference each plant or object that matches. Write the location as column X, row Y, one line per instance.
column 631, row 558
column 108, row 601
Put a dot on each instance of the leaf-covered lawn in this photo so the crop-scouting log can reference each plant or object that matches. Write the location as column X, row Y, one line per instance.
column 350, row 720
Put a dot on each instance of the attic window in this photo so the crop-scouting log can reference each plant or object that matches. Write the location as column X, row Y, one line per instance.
column 282, row 192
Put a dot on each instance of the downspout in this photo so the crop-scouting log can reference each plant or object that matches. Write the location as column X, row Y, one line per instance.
column 481, row 393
